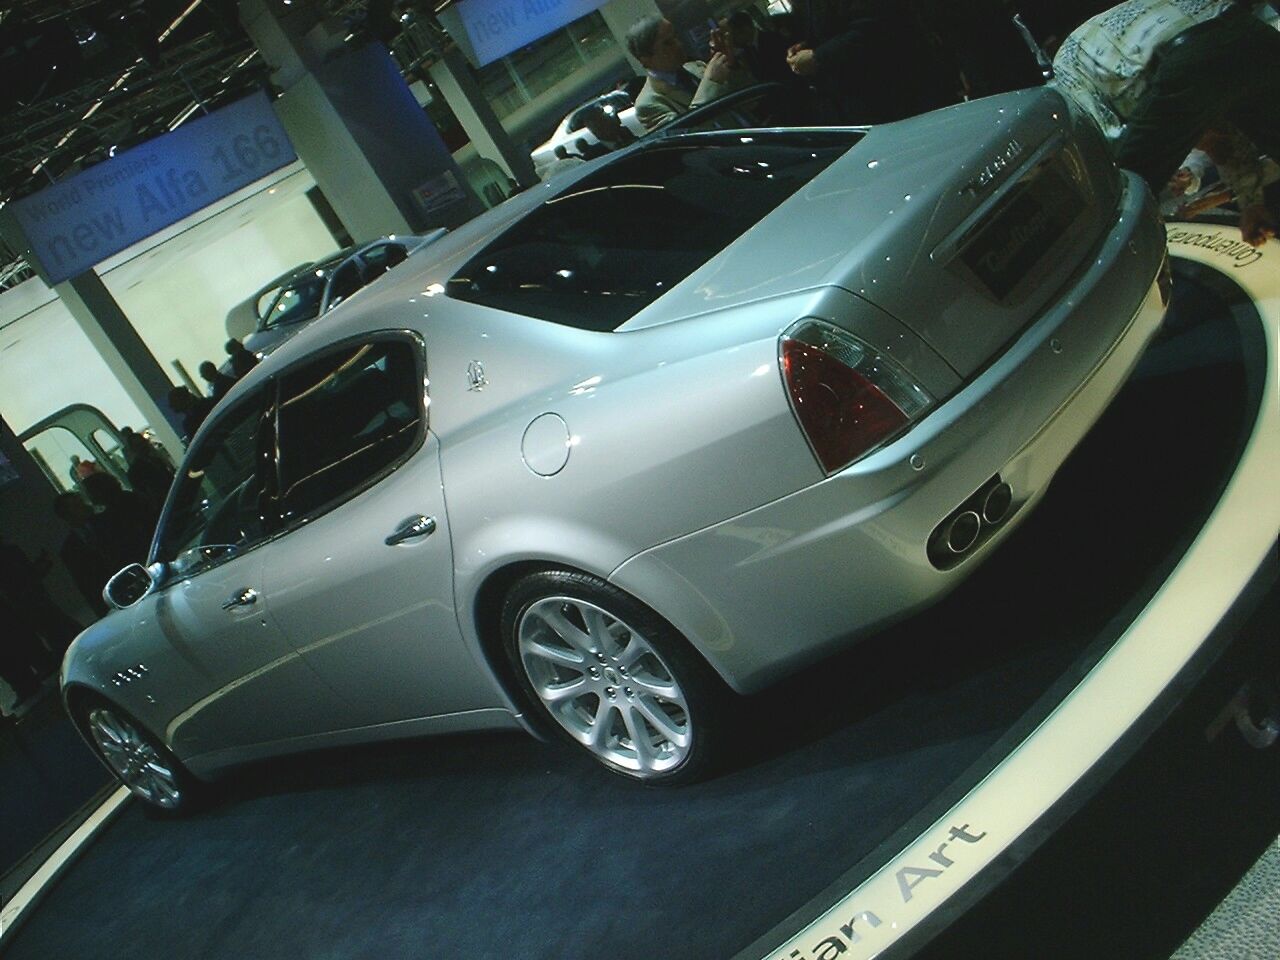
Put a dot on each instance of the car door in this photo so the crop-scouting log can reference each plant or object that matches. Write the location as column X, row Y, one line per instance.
column 363, row 581
column 246, row 683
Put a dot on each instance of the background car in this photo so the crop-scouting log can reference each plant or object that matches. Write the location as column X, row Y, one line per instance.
column 573, row 128
column 282, row 307
column 663, row 430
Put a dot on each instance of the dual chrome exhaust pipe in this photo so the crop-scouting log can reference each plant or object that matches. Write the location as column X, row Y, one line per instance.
column 961, row 532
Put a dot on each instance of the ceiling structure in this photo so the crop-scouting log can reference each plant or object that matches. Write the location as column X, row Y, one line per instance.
column 83, row 79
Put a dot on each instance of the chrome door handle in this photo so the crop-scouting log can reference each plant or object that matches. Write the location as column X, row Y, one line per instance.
column 412, row 529
column 245, row 598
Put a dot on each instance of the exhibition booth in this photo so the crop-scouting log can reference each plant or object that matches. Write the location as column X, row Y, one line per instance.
column 1068, row 754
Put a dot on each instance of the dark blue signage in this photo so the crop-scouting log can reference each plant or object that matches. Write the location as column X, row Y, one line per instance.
column 489, row 29
column 80, row 221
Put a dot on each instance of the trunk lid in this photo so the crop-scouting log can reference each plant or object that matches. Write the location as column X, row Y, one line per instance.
column 962, row 224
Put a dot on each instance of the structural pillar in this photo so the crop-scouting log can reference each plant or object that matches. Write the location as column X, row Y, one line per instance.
column 356, row 125
column 460, row 88
column 126, row 356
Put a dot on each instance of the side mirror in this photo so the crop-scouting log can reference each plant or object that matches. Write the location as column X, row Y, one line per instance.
column 129, row 586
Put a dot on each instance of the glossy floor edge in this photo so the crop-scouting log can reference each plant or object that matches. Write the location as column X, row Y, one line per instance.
column 1246, row 925
column 1165, row 636
column 43, row 879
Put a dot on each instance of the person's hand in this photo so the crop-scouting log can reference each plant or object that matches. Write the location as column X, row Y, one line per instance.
column 718, row 68
column 803, row 63
column 1257, row 225
column 1180, row 181
column 719, row 42
column 796, row 48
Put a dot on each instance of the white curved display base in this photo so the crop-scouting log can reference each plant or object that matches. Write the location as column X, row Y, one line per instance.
column 1160, row 642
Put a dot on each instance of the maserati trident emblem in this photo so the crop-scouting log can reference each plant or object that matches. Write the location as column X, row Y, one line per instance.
column 988, row 174
column 476, row 380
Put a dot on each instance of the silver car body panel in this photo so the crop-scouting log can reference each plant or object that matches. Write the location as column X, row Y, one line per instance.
column 685, row 479
column 857, row 539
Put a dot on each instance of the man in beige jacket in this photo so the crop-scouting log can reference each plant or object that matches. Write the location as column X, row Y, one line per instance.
column 675, row 84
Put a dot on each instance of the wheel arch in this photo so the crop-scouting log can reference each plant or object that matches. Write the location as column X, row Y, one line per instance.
column 76, row 697
column 486, row 616
column 693, row 611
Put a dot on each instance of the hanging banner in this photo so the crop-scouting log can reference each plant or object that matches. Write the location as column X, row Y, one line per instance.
column 80, row 221
column 489, row 29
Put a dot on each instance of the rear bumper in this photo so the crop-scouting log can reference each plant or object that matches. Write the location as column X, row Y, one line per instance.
column 765, row 592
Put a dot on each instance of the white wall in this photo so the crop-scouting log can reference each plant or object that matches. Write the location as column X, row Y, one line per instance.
column 176, row 289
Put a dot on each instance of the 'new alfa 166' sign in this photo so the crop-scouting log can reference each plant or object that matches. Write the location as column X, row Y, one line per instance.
column 80, row 221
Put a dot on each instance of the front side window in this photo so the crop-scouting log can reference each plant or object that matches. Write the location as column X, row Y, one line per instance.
column 219, row 505
column 299, row 301
column 263, row 306
column 344, row 420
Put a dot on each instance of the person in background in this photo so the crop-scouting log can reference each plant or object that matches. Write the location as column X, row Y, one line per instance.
column 125, row 522
column 868, row 62
column 190, row 408
column 37, row 632
column 84, row 468
column 150, row 475
column 81, row 552
column 762, row 53
column 675, row 83
column 219, row 383
column 1157, row 75
column 22, row 657
column 242, row 361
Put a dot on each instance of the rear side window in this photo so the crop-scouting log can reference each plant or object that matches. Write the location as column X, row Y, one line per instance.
column 344, row 420
column 578, row 120
column 614, row 242
column 346, row 281
column 378, row 260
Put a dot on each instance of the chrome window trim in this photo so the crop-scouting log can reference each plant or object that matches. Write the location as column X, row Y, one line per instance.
column 271, row 391
column 266, row 392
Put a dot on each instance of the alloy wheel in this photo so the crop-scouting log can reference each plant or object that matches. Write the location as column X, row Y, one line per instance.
column 605, row 684
column 134, row 759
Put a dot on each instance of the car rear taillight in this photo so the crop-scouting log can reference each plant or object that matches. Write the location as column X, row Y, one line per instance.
column 1164, row 280
column 848, row 398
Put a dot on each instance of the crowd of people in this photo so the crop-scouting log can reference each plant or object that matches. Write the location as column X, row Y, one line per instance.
column 108, row 527
column 192, row 407
column 1184, row 90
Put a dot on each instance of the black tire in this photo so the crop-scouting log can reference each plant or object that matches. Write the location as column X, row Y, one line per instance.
column 176, row 795
column 646, row 735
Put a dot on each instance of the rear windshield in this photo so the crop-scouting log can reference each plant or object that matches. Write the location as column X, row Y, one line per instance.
column 599, row 253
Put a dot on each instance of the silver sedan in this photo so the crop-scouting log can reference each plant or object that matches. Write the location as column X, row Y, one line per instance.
column 661, row 431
